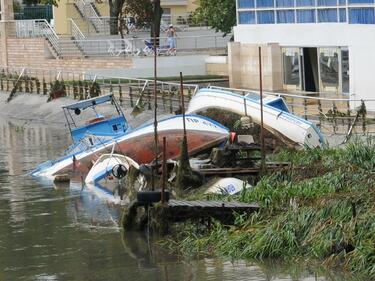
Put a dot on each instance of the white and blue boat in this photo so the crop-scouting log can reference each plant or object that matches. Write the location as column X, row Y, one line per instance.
column 276, row 116
column 103, row 135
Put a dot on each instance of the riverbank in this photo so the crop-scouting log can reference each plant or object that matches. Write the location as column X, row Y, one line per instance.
column 321, row 209
column 26, row 108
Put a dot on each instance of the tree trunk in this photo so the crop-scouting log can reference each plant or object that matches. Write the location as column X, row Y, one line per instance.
column 115, row 8
column 156, row 20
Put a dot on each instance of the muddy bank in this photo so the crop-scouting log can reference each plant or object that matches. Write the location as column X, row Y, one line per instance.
column 34, row 109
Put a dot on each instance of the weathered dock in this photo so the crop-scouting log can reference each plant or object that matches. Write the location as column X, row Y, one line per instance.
column 161, row 216
column 215, row 171
column 180, row 210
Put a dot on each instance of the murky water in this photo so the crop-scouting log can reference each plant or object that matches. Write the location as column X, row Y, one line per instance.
column 50, row 233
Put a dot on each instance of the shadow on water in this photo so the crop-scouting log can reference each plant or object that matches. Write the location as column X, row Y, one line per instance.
column 65, row 233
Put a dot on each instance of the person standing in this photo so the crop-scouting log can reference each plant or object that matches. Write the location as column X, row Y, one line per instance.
column 171, row 37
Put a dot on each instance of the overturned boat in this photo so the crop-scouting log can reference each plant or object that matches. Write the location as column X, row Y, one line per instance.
column 102, row 135
column 107, row 164
column 277, row 118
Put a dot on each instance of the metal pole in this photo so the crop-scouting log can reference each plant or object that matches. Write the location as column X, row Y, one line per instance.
column 263, row 164
column 164, row 170
column 155, row 114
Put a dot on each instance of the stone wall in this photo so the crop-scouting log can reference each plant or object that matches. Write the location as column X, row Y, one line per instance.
column 34, row 53
column 243, row 66
column 217, row 65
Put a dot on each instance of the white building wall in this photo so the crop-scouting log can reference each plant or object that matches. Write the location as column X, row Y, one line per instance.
column 360, row 40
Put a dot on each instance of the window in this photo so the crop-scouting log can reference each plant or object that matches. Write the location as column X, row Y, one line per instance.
column 305, row 16
column 327, row 15
column 342, row 2
column 285, row 16
column 302, row 3
column 361, row 15
column 360, row 1
column 291, row 67
column 342, row 14
column 284, row 3
column 329, row 67
column 246, row 4
column 345, row 70
column 265, row 3
column 246, row 17
column 266, row 17
column 327, row 3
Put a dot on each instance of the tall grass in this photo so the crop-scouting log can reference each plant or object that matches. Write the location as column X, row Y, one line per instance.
column 323, row 208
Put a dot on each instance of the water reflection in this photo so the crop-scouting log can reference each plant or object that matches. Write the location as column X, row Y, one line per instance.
column 52, row 232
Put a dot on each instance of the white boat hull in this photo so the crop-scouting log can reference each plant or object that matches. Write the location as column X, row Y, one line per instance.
column 104, row 165
column 138, row 144
column 279, row 122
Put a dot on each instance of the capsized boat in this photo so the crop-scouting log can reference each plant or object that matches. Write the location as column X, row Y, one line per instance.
column 227, row 186
column 277, row 118
column 103, row 167
column 91, row 141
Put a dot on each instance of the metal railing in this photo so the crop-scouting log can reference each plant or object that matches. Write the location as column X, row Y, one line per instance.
column 183, row 20
column 89, row 13
column 75, row 31
column 131, row 92
column 38, row 28
column 137, row 46
column 115, row 47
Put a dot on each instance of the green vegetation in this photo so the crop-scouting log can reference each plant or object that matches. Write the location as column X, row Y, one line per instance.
column 321, row 208
column 220, row 15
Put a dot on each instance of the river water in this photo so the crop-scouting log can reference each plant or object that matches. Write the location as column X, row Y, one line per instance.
column 66, row 233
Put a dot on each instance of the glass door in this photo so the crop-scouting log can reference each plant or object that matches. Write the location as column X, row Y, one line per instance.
column 345, row 71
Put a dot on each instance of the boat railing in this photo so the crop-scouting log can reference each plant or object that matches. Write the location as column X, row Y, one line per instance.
column 334, row 114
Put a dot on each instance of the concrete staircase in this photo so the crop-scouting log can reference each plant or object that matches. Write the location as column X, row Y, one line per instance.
column 69, row 48
column 90, row 14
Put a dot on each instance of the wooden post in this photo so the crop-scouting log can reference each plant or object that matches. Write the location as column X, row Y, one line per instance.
column 263, row 164
column 120, row 93
column 131, row 96
column 155, row 113
column 164, row 170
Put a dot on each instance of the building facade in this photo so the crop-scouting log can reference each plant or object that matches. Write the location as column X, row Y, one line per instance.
column 324, row 46
column 92, row 16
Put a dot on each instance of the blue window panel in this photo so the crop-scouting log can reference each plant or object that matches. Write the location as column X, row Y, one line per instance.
column 302, row 3
column 326, row 3
column 285, row 16
column 266, row 17
column 246, row 17
column 360, row 1
column 265, row 3
column 361, row 15
column 327, row 15
column 305, row 16
column 284, row 3
column 342, row 15
column 342, row 2
column 246, row 4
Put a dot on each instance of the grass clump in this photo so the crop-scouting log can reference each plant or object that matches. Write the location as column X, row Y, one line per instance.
column 322, row 208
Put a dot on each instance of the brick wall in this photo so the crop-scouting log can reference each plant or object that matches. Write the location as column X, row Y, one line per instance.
column 34, row 53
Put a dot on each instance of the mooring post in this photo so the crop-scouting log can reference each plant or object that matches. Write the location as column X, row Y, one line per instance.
column 263, row 164
column 164, row 170
column 156, row 150
column 120, row 93
column 131, row 96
